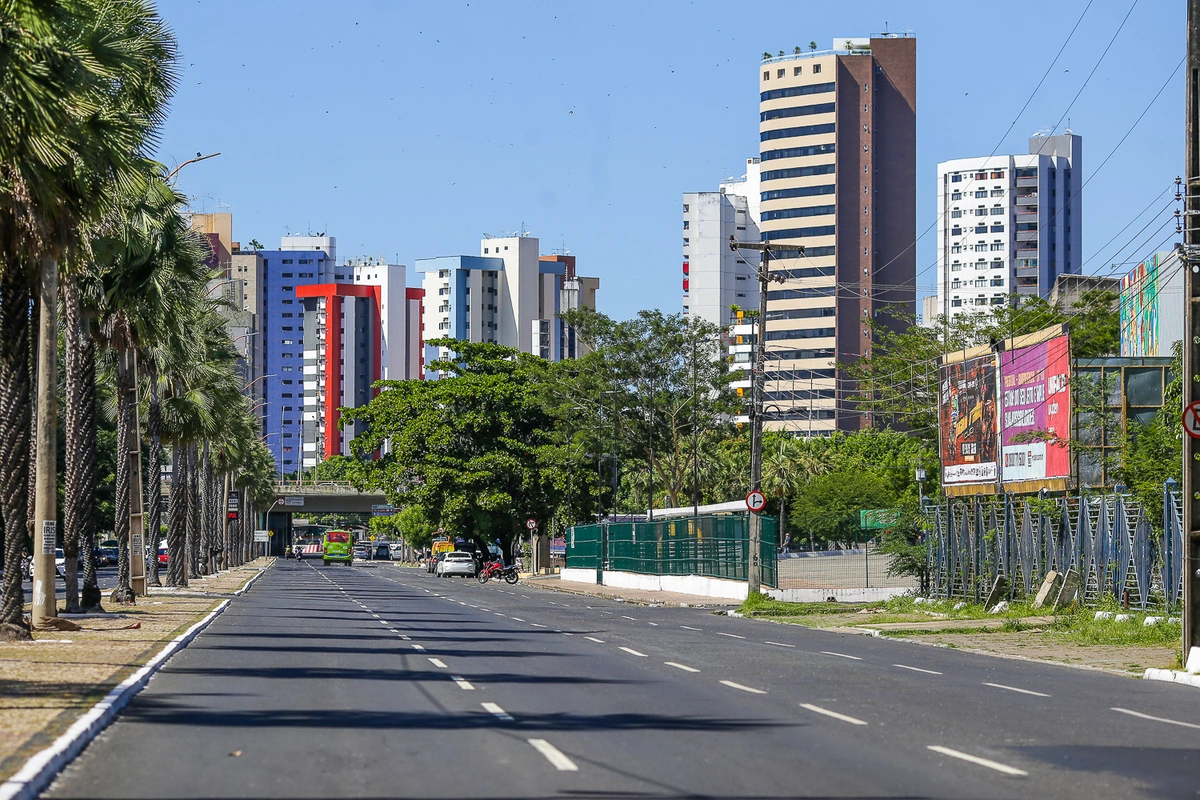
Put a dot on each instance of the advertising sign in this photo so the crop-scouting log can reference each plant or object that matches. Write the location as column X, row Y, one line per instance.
column 967, row 424
column 1035, row 411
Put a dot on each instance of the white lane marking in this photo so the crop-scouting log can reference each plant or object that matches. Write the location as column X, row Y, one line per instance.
column 437, row 662
column 554, row 755
column 537, row 625
column 625, row 617
column 655, row 624
column 750, row 689
column 500, row 713
column 418, row 647
column 373, row 614
column 632, row 652
column 402, row 636
column 840, row 655
column 1015, row 689
column 683, row 667
column 730, row 635
column 497, row 613
column 1155, row 719
column 689, row 628
column 384, row 622
column 565, row 633
column 518, row 619
column 834, row 714
column 463, row 684
column 983, row 762
column 594, row 639
column 917, row 669
column 780, row 644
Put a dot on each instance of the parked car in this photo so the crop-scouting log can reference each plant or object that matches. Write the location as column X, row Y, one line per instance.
column 162, row 556
column 457, row 563
column 111, row 555
column 397, row 551
column 382, row 552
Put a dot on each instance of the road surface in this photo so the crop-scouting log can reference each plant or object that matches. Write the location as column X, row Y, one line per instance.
column 380, row 681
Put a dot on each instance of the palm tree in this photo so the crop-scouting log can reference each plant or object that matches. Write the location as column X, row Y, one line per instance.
column 82, row 85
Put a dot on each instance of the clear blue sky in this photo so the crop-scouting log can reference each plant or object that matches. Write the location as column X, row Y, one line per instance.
column 412, row 129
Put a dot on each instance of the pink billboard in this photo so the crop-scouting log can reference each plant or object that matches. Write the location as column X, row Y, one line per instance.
column 1035, row 411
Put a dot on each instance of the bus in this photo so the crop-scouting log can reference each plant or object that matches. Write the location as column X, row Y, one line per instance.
column 336, row 547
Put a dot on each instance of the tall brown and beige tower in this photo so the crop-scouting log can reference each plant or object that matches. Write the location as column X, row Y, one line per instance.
column 838, row 176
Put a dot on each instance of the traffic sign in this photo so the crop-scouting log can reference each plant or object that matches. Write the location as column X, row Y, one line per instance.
column 1191, row 419
column 756, row 501
column 531, row 523
column 261, row 536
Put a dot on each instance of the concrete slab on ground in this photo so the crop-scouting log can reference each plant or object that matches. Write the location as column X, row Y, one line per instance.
column 951, row 624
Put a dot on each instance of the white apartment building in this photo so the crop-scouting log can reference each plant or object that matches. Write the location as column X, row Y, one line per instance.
column 1008, row 225
column 714, row 276
column 507, row 295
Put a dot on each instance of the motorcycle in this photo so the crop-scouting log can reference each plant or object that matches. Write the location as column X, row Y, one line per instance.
column 497, row 570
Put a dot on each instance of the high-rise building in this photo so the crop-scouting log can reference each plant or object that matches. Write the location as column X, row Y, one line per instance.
column 1008, row 226
column 507, row 295
column 716, row 278
column 838, row 179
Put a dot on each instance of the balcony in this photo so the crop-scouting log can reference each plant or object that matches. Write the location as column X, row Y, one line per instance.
column 1031, row 182
column 1027, row 199
column 1027, row 272
column 1029, row 237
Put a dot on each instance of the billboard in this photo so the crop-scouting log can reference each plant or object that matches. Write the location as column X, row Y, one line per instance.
column 968, row 434
column 1149, row 289
column 1035, row 411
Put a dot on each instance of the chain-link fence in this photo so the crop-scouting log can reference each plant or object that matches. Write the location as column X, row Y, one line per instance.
column 1110, row 541
column 859, row 568
column 711, row 546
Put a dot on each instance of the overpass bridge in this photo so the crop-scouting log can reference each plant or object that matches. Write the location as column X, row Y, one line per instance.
column 324, row 497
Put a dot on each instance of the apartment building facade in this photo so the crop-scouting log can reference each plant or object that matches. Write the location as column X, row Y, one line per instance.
column 1009, row 226
column 716, row 278
column 837, row 205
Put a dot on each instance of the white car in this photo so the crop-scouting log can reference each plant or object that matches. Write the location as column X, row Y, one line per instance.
column 456, row 563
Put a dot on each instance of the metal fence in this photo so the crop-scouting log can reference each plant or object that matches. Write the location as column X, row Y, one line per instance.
column 712, row 546
column 1109, row 540
column 859, row 568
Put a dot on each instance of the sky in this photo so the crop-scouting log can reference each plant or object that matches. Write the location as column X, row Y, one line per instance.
column 411, row 130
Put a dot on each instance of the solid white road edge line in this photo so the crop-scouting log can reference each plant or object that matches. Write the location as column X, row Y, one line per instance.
column 683, row 667
column 840, row 655
column 632, row 652
column 750, row 689
column 500, row 713
column 983, row 762
column 554, row 755
column 834, row 714
column 1015, row 689
column 1155, row 719
column 463, row 683
column 917, row 669
column 41, row 769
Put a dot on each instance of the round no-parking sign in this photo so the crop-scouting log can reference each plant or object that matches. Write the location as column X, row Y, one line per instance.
column 531, row 523
column 1191, row 419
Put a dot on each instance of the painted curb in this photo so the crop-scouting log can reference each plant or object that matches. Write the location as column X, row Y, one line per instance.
column 43, row 767
column 1172, row 676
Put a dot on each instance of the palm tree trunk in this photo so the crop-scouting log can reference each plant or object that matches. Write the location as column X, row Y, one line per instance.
column 79, row 468
column 177, row 573
column 15, row 401
column 193, row 529
column 211, row 506
column 123, row 592
column 154, row 506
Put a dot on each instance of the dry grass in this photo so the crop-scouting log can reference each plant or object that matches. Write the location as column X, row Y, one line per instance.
column 47, row 684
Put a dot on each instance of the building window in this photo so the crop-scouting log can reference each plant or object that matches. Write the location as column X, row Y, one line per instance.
column 780, row 73
column 686, row 224
column 955, row 214
column 956, row 248
column 816, row 68
column 286, row 314
column 997, row 193
column 980, row 247
column 287, row 369
column 998, row 246
column 766, row 74
column 998, row 300
column 956, row 231
column 956, row 267
column 997, row 228
column 956, row 302
column 956, row 178
column 287, row 261
column 981, row 228
column 997, row 210
column 305, row 261
column 796, row 70
column 956, row 195
column 998, row 174
column 286, row 275
column 981, row 176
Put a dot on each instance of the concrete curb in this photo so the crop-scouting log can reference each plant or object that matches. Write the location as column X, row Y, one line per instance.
column 1172, row 676
column 43, row 767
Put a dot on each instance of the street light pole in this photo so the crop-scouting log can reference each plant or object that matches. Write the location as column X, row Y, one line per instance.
column 758, row 378
column 1191, row 345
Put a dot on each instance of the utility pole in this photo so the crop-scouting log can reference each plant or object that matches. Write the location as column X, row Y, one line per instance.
column 757, row 379
column 1191, row 349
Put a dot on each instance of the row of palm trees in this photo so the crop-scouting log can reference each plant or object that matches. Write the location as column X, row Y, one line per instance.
column 89, row 223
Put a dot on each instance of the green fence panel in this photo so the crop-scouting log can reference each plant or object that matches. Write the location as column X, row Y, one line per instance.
column 583, row 547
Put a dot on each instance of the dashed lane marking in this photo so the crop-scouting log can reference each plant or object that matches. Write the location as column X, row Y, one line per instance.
column 499, row 712
column 1155, row 719
column 917, row 669
column 418, row 648
column 516, row 619
column 780, row 644
column 834, row 714
column 1015, row 689
column 983, row 762
column 840, row 655
column 742, row 687
column 689, row 628
column 632, row 652
column 554, row 755
column 683, row 667
column 537, row 625
column 463, row 684
column 594, row 639
column 655, row 624
column 437, row 662
column 730, row 635
column 630, row 618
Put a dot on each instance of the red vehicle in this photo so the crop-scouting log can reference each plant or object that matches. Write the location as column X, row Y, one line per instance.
column 162, row 556
column 496, row 569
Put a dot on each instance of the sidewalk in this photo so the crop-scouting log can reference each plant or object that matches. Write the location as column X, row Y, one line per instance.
column 50, row 682
column 639, row 596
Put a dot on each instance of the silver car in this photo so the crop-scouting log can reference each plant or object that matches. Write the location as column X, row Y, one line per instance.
column 456, row 563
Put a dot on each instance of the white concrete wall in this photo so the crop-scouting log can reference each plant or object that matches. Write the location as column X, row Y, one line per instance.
column 838, row 595
column 578, row 575
column 684, row 584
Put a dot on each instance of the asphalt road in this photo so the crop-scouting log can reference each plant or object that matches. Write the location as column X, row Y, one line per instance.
column 106, row 578
column 380, row 681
